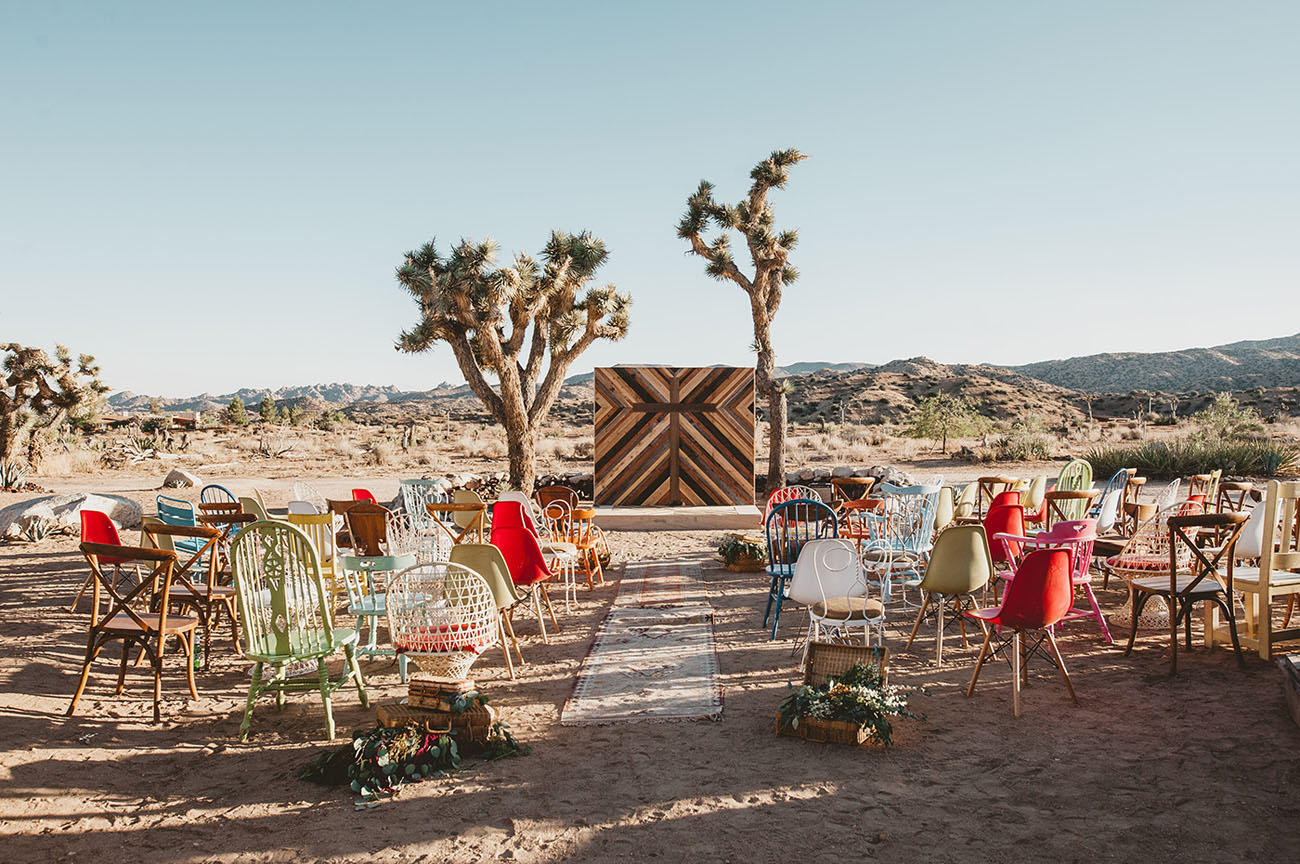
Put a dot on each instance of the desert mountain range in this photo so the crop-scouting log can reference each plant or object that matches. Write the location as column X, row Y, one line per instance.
column 1266, row 373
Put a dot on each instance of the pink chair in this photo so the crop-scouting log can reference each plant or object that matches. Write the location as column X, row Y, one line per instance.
column 1077, row 537
column 1036, row 600
column 513, row 534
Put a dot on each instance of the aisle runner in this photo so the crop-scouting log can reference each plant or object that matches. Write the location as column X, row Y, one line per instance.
column 653, row 658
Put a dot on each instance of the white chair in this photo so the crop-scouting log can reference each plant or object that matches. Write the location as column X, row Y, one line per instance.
column 1168, row 496
column 304, row 508
column 1108, row 511
column 829, row 580
column 307, row 492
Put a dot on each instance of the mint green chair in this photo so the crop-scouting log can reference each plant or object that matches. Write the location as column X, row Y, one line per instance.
column 368, row 603
column 284, row 616
column 1076, row 476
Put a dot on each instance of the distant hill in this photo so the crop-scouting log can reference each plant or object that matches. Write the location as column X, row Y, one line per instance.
column 1237, row 366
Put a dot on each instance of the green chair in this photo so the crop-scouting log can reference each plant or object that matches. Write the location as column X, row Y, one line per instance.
column 284, row 616
column 487, row 561
column 960, row 565
column 1076, row 476
column 368, row 603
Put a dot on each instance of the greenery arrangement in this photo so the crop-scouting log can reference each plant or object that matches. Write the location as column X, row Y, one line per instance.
column 377, row 762
column 734, row 549
column 858, row 696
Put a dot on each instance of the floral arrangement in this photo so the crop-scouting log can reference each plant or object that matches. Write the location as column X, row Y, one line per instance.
column 735, row 548
column 859, row 696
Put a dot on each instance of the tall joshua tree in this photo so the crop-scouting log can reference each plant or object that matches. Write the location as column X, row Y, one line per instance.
column 522, row 324
column 768, row 250
column 38, row 394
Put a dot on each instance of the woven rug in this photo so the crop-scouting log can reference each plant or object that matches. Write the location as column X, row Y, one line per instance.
column 653, row 658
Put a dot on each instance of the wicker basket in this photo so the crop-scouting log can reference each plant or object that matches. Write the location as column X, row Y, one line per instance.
column 826, row 660
column 470, row 727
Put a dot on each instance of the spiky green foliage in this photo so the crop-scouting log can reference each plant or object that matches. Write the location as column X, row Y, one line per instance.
column 38, row 394
column 523, row 323
column 769, row 250
column 1194, row 454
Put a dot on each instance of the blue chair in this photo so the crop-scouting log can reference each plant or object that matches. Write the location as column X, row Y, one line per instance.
column 178, row 511
column 788, row 528
column 368, row 602
column 1116, row 484
column 217, row 494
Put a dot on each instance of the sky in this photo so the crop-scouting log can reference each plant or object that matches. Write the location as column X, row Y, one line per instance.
column 215, row 196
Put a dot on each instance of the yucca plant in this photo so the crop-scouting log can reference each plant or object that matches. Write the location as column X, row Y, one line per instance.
column 12, row 474
column 1251, row 457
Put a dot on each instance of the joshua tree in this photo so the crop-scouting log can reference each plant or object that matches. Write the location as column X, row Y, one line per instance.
column 38, row 394
column 768, row 250
column 503, row 322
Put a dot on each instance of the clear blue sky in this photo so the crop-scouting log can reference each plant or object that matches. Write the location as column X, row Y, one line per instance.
column 214, row 196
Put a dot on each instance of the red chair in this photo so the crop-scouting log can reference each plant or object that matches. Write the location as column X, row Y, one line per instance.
column 1004, row 519
column 1036, row 600
column 1004, row 499
column 1076, row 536
column 96, row 527
column 363, row 495
column 513, row 535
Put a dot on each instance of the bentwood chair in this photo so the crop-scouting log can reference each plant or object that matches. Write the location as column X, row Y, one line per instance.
column 139, row 614
column 988, row 489
column 1203, row 584
column 367, row 527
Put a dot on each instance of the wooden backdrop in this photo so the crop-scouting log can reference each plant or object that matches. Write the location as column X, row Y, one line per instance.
column 674, row 436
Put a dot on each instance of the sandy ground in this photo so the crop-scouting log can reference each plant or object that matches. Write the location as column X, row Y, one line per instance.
column 1202, row 767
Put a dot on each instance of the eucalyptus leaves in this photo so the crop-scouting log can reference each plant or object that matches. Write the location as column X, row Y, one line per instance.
column 858, row 696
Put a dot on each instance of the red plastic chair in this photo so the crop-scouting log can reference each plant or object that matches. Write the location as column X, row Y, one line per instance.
column 1076, row 536
column 96, row 527
column 513, row 535
column 1005, row 519
column 363, row 495
column 1037, row 599
column 1004, row 499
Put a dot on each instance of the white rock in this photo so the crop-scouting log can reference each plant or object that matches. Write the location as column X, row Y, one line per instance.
column 821, row 473
column 65, row 512
column 178, row 477
column 842, row 471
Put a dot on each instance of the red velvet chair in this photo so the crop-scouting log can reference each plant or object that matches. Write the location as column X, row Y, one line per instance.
column 513, row 535
column 1036, row 600
column 363, row 495
column 96, row 527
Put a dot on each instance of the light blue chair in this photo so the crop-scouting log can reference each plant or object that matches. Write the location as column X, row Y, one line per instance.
column 902, row 535
column 370, row 604
column 788, row 528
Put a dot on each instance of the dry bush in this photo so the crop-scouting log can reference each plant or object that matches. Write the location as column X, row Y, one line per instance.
column 380, row 453
column 69, row 463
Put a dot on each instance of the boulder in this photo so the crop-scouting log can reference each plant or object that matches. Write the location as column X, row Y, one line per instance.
column 805, row 474
column 821, row 474
column 842, row 471
column 179, row 477
column 64, row 512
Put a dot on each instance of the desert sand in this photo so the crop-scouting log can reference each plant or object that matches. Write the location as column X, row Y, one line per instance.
column 1205, row 766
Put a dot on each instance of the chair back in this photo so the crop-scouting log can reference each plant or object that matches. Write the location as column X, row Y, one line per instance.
column 307, row 492
column 1232, row 497
column 360, row 494
column 487, row 561
column 359, row 572
column 319, row 529
column 416, row 495
column 253, row 506
column 175, row 511
column 97, row 528
column 945, row 508
column 827, row 569
column 1075, row 476
column 1067, row 505
column 531, row 518
column 557, row 519
column 960, row 562
column 789, row 493
column 1002, row 499
column 303, row 508
column 1033, row 497
column 1204, row 487
column 214, row 493
column 284, row 610
column 1168, row 496
column 789, row 527
column 547, row 494
column 134, row 592
column 1078, row 536
column 1146, row 553
column 1007, row 519
column 466, row 518
column 367, row 524
column 988, row 489
column 965, row 505
column 1116, row 483
column 1107, row 510
column 408, row 535
column 1279, row 543
column 441, row 608
column 1041, row 593
column 518, row 544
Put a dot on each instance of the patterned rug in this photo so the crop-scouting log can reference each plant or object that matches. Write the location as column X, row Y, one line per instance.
column 653, row 658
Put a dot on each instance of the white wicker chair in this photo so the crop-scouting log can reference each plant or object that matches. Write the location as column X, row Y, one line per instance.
column 441, row 616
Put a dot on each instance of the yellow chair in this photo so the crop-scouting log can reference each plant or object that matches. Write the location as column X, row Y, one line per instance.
column 319, row 528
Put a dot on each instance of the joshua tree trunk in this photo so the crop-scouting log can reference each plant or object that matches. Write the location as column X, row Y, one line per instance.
column 522, row 447
column 769, row 386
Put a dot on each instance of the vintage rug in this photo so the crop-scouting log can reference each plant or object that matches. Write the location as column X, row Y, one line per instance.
column 653, row 657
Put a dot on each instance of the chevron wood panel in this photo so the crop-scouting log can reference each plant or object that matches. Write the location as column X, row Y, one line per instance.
column 674, row 436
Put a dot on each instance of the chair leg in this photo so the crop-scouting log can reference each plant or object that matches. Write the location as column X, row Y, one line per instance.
column 979, row 662
column 510, row 628
column 253, row 688
column 84, row 585
column 537, row 610
column 189, row 665
column 1015, row 673
column 351, row 656
column 920, row 614
column 1137, row 602
column 323, row 676
column 505, row 644
column 92, row 651
column 121, row 672
column 1264, row 623
column 546, row 597
column 1232, row 628
column 767, row 610
column 1060, row 667
column 1097, row 613
column 1290, row 606
column 776, row 616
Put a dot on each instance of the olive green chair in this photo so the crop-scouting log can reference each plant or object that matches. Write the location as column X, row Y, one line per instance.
column 253, row 506
column 487, row 561
column 945, row 508
column 285, row 619
column 964, row 505
column 960, row 565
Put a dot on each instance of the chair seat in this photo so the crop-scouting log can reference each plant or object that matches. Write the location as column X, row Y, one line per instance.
column 897, row 556
column 1276, row 579
column 559, row 548
column 1138, row 562
column 849, row 609
column 124, row 623
column 374, row 605
column 1160, row 585
column 313, row 645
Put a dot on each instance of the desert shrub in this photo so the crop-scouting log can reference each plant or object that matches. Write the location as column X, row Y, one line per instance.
column 941, row 416
column 1254, row 457
column 380, row 453
column 1226, row 418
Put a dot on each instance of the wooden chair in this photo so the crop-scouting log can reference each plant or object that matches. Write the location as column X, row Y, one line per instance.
column 545, row 495
column 285, row 617
column 1277, row 573
column 1203, row 584
column 367, row 527
column 139, row 614
column 195, row 575
column 583, row 535
column 845, row 489
column 988, row 488
column 1064, row 504
column 1206, row 486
